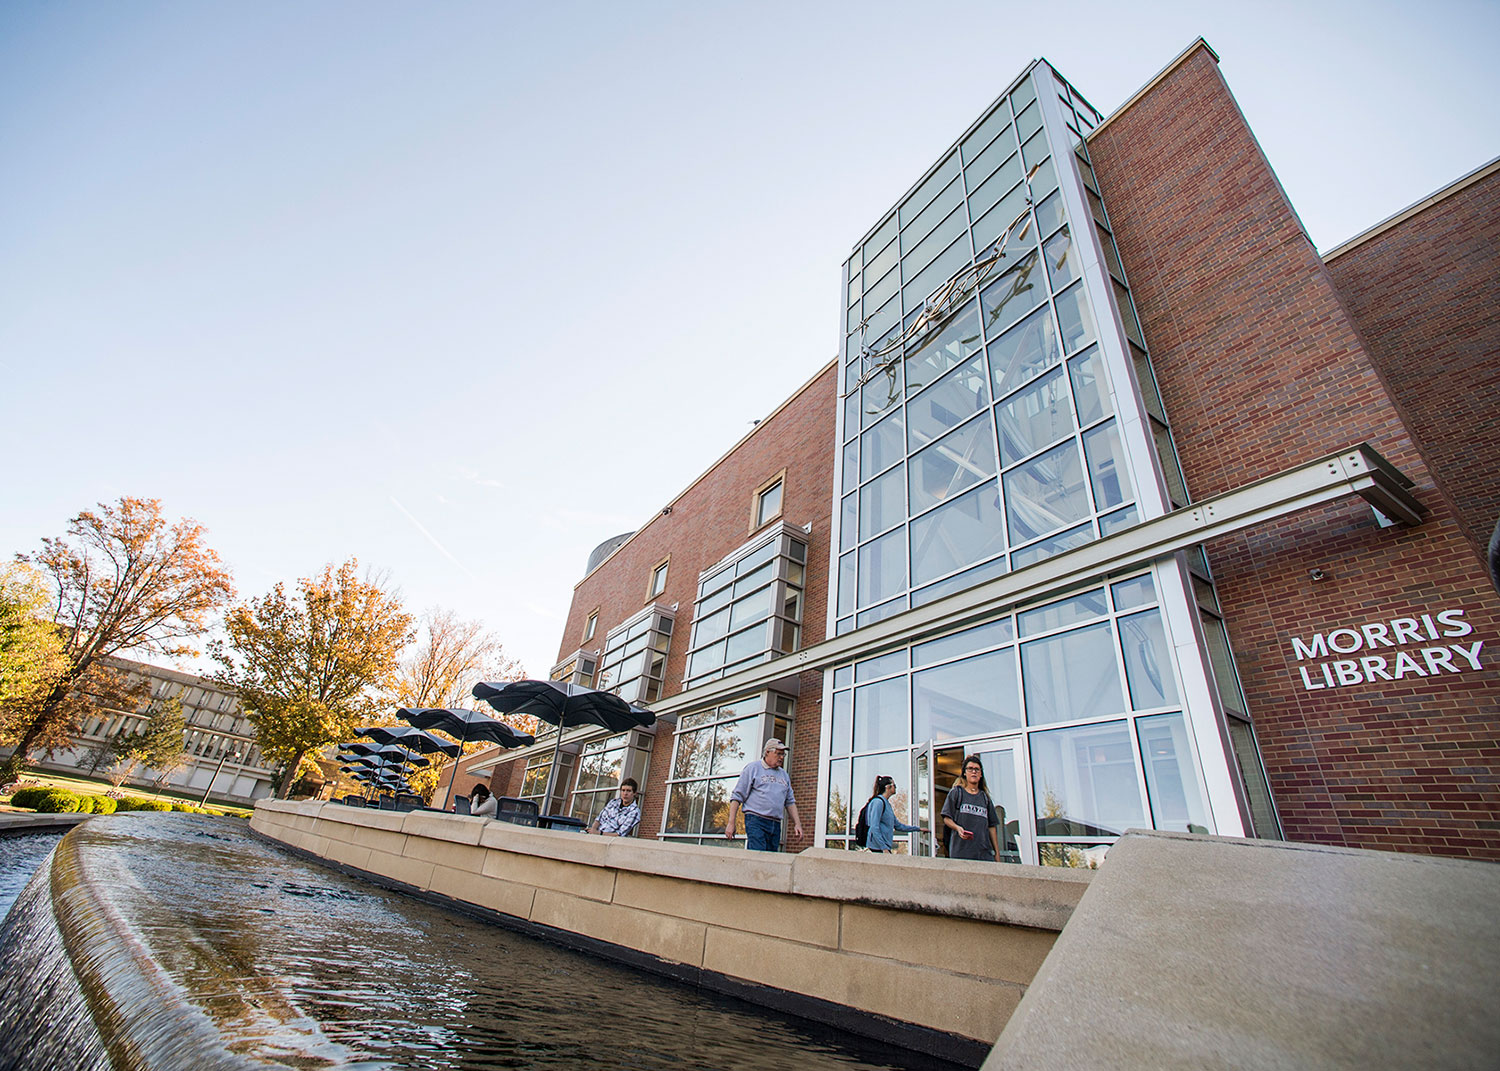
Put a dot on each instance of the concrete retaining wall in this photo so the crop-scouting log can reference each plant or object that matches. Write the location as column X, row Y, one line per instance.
column 949, row 946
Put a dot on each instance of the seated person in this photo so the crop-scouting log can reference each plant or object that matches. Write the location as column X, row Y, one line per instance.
column 620, row 815
column 481, row 802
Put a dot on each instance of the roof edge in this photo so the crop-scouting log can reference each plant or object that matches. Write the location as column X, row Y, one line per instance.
column 1480, row 173
column 1178, row 61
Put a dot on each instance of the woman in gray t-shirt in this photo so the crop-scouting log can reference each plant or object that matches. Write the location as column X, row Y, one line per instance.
column 971, row 818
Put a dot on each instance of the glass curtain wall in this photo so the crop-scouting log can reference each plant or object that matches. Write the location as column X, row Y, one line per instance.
column 710, row 750
column 999, row 407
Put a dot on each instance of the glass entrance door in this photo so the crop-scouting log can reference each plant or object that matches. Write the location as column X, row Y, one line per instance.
column 1005, row 778
column 923, row 804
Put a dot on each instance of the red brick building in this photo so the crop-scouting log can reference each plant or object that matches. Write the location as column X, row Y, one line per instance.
column 1115, row 482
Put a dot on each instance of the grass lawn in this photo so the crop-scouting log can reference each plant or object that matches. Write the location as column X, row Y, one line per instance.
column 86, row 786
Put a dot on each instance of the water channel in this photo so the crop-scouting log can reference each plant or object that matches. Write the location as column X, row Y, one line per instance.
column 299, row 965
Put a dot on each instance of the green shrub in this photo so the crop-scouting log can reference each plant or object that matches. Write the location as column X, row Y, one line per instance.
column 58, row 801
column 128, row 803
column 153, row 805
column 102, row 804
column 188, row 807
column 28, row 796
column 85, row 804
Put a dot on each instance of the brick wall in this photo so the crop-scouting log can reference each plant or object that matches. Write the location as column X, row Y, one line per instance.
column 1262, row 367
column 1424, row 295
column 708, row 521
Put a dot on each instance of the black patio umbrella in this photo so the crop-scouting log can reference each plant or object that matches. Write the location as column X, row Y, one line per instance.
column 359, row 747
column 466, row 725
column 409, row 736
column 565, row 705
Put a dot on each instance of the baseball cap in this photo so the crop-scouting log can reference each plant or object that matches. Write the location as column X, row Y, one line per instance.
column 773, row 745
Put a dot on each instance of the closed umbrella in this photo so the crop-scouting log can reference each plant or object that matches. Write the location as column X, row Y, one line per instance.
column 565, row 705
column 466, row 725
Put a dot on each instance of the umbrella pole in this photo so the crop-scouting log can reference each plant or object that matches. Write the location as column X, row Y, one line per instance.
column 453, row 774
column 552, row 773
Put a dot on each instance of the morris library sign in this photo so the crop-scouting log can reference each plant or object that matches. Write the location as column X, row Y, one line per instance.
column 1389, row 650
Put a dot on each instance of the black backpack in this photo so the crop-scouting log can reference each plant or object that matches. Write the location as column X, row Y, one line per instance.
column 862, row 827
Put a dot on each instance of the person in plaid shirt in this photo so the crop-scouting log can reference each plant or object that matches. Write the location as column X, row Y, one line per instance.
column 620, row 815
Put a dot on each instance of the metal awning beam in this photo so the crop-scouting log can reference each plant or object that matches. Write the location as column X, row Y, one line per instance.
column 1359, row 470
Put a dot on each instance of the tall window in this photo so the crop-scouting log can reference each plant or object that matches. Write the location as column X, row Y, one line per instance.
column 590, row 626
column 768, row 502
column 634, row 663
column 711, row 748
column 577, row 668
column 749, row 606
column 658, row 579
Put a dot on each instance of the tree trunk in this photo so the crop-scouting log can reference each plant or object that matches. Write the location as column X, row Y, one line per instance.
column 284, row 790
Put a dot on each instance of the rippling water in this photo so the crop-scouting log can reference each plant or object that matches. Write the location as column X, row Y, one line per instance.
column 20, row 855
column 298, row 963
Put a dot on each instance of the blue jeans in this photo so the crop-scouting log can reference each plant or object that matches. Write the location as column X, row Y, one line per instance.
column 762, row 834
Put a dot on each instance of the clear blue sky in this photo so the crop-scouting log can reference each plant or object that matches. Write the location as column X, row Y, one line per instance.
column 463, row 289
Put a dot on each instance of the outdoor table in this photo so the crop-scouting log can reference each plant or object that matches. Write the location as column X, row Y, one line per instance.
column 562, row 821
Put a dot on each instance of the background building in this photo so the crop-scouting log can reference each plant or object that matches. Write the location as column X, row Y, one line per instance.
column 1115, row 482
column 218, row 741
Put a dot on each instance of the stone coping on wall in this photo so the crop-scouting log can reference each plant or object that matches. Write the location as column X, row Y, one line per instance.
column 947, row 947
column 1032, row 896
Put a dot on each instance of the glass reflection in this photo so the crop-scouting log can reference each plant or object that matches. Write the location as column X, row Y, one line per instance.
column 1045, row 494
column 1085, row 782
column 968, row 698
column 882, row 567
column 1072, row 675
column 1148, row 661
column 951, row 344
column 880, row 715
column 882, row 446
column 951, row 465
column 1106, row 474
column 1171, row 782
column 1024, row 352
column 1034, row 418
column 964, row 531
column 1090, row 386
column 1014, row 294
column 953, row 399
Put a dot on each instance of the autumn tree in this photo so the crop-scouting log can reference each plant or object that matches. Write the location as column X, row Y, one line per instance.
column 312, row 664
column 449, row 657
column 122, row 579
column 31, row 652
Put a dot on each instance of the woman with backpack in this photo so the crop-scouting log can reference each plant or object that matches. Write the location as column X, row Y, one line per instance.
column 970, row 816
column 880, row 817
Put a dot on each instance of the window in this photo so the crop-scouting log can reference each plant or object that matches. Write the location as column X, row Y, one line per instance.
column 711, row 748
column 768, row 501
column 658, row 579
column 538, row 770
column 577, row 668
column 590, row 626
column 602, row 765
column 749, row 606
column 634, row 663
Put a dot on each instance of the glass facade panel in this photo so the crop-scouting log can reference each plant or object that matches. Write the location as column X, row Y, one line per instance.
column 1045, row 494
column 966, row 530
column 1071, row 676
column 950, row 401
column 880, row 717
column 1046, row 548
column 1148, row 665
column 883, row 445
column 882, row 567
column 1025, row 351
column 1015, row 293
column 1062, row 265
column 1171, row 775
column 978, row 638
column 1106, row 467
column 952, row 464
column 1073, row 610
column 1076, row 319
column 974, row 697
column 1034, row 418
column 882, row 502
column 1085, row 782
column 951, row 344
column 1089, row 391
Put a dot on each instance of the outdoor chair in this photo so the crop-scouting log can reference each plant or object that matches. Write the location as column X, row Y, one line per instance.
column 409, row 802
column 519, row 811
column 387, row 803
column 461, row 805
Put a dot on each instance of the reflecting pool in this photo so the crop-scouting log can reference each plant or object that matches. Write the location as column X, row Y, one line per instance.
column 299, row 964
